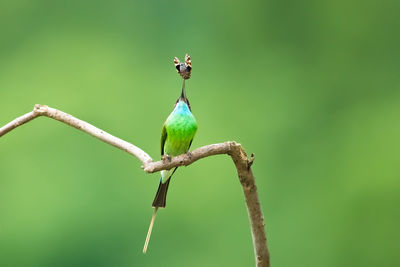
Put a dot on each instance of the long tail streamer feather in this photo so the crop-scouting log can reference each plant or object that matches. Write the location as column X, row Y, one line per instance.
column 146, row 243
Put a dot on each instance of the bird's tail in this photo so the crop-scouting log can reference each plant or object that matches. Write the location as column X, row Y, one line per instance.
column 146, row 243
column 161, row 197
column 159, row 201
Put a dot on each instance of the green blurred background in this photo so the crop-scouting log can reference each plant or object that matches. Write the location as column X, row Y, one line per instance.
column 311, row 87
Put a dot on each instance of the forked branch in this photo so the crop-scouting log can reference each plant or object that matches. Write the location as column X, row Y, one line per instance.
column 233, row 149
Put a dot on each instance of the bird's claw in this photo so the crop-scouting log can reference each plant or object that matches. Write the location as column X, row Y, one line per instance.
column 189, row 154
column 166, row 158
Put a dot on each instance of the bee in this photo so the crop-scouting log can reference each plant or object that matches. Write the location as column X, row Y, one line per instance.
column 184, row 68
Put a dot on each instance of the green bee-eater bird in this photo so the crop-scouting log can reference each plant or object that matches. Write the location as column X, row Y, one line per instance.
column 176, row 137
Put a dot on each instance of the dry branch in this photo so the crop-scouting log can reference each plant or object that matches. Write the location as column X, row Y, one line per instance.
column 233, row 149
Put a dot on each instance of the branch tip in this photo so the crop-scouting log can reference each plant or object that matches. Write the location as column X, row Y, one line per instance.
column 250, row 161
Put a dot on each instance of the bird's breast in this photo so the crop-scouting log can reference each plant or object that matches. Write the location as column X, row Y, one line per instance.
column 181, row 127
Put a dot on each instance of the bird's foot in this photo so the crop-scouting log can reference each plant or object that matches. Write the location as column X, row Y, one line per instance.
column 166, row 157
column 189, row 154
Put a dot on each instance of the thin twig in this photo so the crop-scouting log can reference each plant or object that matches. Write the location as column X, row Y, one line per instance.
column 233, row 149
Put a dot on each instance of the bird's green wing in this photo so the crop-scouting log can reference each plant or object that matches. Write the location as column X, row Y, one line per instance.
column 163, row 138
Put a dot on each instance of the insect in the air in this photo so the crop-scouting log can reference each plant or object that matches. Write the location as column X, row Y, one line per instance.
column 184, row 68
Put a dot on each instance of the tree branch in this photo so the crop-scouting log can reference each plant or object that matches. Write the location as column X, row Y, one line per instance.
column 233, row 149
column 42, row 110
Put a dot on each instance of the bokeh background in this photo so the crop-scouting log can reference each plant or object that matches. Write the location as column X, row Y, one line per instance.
column 311, row 87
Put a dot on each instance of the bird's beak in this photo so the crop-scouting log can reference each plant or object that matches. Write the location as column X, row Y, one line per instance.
column 183, row 94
